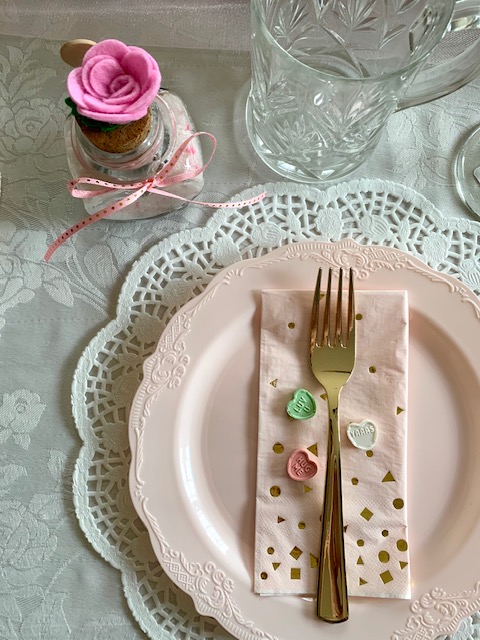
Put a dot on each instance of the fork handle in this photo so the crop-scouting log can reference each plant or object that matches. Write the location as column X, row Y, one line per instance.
column 332, row 600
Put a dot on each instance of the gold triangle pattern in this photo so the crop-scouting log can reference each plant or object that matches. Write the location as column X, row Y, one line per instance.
column 389, row 477
column 399, row 410
column 274, row 382
column 323, row 396
column 313, row 561
column 314, row 449
column 361, row 581
column 402, row 564
column 360, row 560
column 275, row 565
column 306, row 488
column 280, row 519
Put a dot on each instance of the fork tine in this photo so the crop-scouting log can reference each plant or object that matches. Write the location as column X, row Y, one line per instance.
column 326, row 314
column 351, row 310
column 338, row 315
column 315, row 306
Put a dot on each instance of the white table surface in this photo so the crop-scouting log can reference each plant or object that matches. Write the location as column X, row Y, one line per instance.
column 52, row 584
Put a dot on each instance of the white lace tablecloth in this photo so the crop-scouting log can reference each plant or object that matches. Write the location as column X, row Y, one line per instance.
column 102, row 302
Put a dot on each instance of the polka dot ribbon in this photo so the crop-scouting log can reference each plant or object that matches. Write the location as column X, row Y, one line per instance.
column 153, row 184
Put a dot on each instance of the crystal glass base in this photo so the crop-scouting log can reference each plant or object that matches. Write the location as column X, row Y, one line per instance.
column 326, row 169
column 468, row 160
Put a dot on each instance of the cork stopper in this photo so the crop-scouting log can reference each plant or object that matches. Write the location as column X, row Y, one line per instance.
column 124, row 138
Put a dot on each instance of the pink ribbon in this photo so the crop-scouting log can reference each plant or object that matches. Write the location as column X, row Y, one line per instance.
column 153, row 184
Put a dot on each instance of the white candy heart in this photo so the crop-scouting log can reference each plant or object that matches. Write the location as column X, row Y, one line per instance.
column 363, row 435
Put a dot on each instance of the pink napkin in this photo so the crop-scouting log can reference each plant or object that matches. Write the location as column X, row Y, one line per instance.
column 287, row 531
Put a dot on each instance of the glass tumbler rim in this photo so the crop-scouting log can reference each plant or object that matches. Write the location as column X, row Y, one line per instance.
column 448, row 5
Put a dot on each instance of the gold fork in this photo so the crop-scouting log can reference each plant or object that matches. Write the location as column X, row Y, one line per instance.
column 332, row 357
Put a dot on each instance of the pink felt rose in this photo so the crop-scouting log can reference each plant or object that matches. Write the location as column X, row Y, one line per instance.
column 116, row 83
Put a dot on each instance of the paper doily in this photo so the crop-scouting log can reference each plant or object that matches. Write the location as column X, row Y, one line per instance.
column 162, row 281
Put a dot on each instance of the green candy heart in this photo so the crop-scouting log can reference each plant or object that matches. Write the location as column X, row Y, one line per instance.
column 302, row 406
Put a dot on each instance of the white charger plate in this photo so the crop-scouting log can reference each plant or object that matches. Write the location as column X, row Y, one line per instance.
column 193, row 430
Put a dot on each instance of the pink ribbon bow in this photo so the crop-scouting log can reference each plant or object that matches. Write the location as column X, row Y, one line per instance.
column 153, row 185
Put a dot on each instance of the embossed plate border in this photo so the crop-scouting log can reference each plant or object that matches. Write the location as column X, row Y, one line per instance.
column 214, row 591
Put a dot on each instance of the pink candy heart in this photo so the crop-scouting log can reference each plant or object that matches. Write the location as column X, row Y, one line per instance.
column 301, row 466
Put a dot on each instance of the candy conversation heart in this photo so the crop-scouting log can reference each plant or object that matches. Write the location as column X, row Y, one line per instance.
column 363, row 435
column 302, row 406
column 301, row 466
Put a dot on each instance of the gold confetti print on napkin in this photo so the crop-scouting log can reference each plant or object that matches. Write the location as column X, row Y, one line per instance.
column 288, row 512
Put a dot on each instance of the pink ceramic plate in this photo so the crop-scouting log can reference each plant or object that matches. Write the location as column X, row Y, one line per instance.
column 193, row 439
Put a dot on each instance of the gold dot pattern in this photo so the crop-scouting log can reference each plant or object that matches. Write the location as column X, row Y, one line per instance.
column 384, row 556
column 375, row 528
column 366, row 513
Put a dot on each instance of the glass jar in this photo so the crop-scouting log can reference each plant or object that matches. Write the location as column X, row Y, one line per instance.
column 170, row 126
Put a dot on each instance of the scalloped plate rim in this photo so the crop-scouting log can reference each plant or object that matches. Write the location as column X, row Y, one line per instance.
column 176, row 563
